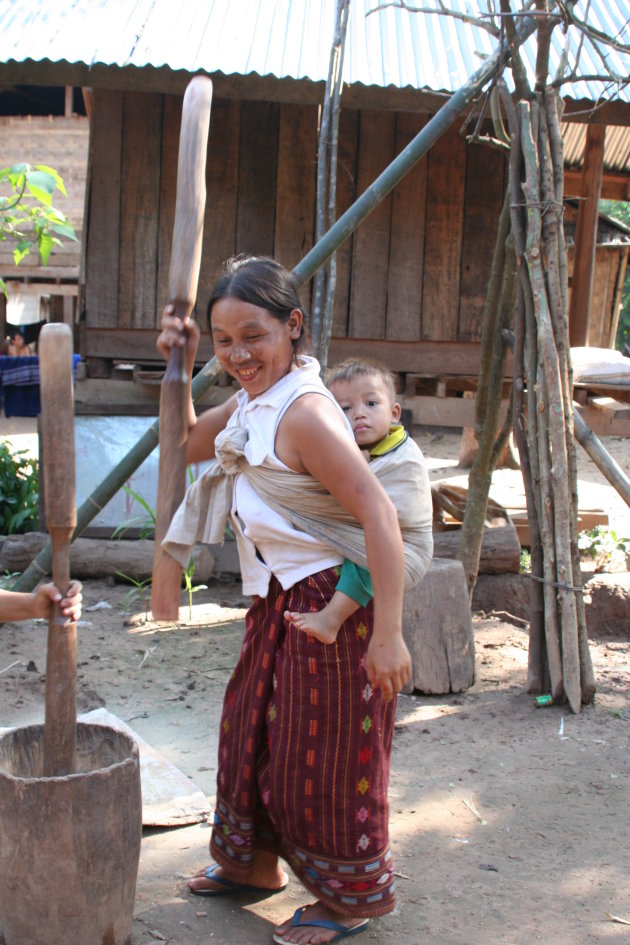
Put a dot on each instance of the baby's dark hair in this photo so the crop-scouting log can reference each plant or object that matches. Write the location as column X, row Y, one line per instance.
column 360, row 367
column 261, row 281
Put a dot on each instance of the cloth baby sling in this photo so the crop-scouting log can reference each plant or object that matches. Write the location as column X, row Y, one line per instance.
column 305, row 502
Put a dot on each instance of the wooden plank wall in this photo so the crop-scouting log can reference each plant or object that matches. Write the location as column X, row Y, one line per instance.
column 415, row 270
column 609, row 269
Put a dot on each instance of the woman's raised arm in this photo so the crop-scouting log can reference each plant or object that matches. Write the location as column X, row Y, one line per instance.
column 202, row 430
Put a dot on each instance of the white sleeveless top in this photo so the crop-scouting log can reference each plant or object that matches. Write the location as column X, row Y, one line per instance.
column 287, row 553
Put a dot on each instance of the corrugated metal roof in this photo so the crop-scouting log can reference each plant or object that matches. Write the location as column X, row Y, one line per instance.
column 291, row 38
column 616, row 147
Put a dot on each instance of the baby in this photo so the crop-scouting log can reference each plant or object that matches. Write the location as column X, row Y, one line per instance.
column 365, row 392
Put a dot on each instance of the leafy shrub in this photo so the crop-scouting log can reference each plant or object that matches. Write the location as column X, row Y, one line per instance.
column 27, row 216
column 19, row 491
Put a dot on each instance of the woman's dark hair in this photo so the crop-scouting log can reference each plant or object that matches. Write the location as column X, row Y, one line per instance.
column 260, row 281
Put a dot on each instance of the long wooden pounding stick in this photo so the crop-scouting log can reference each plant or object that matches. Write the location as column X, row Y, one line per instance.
column 57, row 453
column 183, row 277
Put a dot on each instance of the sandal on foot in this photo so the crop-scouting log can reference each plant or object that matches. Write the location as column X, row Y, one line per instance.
column 229, row 886
column 343, row 931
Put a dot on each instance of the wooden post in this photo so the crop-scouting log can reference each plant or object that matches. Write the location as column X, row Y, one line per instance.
column 190, row 207
column 57, row 428
column 586, row 236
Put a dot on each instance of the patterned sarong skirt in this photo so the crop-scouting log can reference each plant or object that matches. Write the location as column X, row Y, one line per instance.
column 304, row 753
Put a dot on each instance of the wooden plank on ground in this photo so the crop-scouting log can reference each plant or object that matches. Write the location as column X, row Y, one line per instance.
column 141, row 159
column 586, row 521
column 485, row 173
column 606, row 416
column 443, row 241
column 370, row 251
column 219, row 226
column 258, row 164
column 103, row 225
column 406, row 257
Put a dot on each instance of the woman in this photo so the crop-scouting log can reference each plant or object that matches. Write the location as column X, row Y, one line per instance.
column 306, row 729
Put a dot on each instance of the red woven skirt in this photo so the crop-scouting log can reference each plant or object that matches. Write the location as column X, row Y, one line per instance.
column 304, row 753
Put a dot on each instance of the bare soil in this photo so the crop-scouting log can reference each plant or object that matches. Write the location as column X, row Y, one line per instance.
column 509, row 823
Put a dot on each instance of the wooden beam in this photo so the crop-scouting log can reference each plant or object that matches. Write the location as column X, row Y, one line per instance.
column 585, row 111
column 42, row 288
column 427, row 358
column 614, row 186
column 586, row 236
column 458, row 412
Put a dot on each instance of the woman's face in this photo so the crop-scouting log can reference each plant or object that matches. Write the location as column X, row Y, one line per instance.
column 251, row 345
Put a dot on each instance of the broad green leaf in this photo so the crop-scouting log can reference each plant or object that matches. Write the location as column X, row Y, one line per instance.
column 64, row 229
column 46, row 243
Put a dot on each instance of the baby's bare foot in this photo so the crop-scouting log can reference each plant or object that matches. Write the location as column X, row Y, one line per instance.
column 317, row 623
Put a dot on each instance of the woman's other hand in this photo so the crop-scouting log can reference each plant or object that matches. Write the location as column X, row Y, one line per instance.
column 389, row 665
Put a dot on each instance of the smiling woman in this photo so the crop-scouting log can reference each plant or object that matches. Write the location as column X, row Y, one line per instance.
column 281, row 791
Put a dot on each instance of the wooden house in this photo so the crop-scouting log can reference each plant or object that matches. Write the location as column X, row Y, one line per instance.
column 411, row 279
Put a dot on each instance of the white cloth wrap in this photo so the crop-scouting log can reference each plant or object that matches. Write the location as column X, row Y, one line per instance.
column 306, row 503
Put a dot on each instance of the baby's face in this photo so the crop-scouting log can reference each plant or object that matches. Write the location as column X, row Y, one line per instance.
column 368, row 405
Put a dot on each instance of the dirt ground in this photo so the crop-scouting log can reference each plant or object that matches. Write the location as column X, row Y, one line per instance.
column 509, row 823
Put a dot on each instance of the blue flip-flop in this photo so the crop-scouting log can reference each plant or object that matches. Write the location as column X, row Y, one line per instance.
column 343, row 931
column 229, row 887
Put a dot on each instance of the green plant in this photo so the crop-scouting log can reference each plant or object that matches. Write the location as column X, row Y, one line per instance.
column 19, row 491
column 602, row 542
column 7, row 579
column 27, row 215
column 190, row 589
column 525, row 563
column 146, row 522
column 136, row 592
